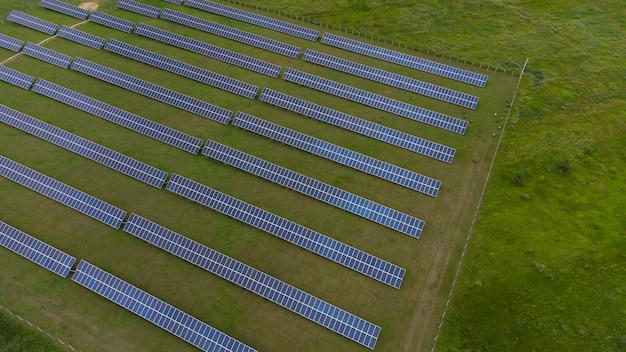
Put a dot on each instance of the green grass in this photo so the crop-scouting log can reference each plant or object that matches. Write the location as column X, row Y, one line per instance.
column 16, row 337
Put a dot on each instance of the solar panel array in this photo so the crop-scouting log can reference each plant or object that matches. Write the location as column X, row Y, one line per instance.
column 153, row 91
column 183, row 69
column 232, row 33
column 392, row 79
column 118, row 116
column 65, row 8
column 268, row 287
column 154, row 310
column 111, row 21
column 16, row 78
column 48, row 55
column 357, row 125
column 399, row 58
column 35, row 250
column 32, row 22
column 61, row 193
column 81, row 37
column 84, row 147
column 256, row 19
column 377, row 101
column 339, row 154
column 209, row 50
column 139, row 8
column 10, row 43
column 313, row 188
column 287, row 230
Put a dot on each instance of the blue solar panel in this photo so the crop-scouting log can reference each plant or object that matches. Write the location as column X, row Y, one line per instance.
column 153, row 91
column 183, row 69
column 61, row 193
column 16, row 78
column 154, row 310
column 139, row 8
column 10, row 43
column 357, row 125
column 299, row 235
column 256, row 19
column 35, row 250
column 339, row 154
column 266, row 286
column 399, row 58
column 376, row 101
column 111, row 21
column 81, row 37
column 118, row 116
column 65, row 8
column 392, row 79
column 48, row 55
column 32, row 22
column 212, row 51
column 232, row 33
column 84, row 147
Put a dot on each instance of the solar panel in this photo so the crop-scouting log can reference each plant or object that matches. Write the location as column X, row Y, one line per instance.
column 399, row 58
column 65, row 8
column 16, row 78
column 84, row 147
column 357, row 125
column 153, row 91
column 81, row 37
column 232, row 33
column 256, row 19
column 266, row 286
column 154, row 310
column 48, row 55
column 35, row 250
column 32, row 22
column 287, row 230
column 392, row 79
column 118, row 116
column 376, row 101
column 183, row 69
column 111, row 21
column 339, row 154
column 139, row 8
column 61, row 193
column 10, row 43
column 212, row 51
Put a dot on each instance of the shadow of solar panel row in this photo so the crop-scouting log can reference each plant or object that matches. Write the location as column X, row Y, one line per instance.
column 139, row 8
column 118, row 116
column 62, row 193
column 212, row 51
column 153, row 91
column 256, row 19
column 399, row 58
column 81, row 37
column 65, row 8
column 175, row 2
column 11, row 43
column 313, row 188
column 35, row 250
column 253, row 280
column 358, row 125
column 183, row 69
column 287, row 230
column 339, row 154
column 33, row 22
column 16, row 78
column 84, row 147
column 111, row 21
column 47, row 55
column 232, row 33
column 154, row 310
column 376, row 101
column 391, row 79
